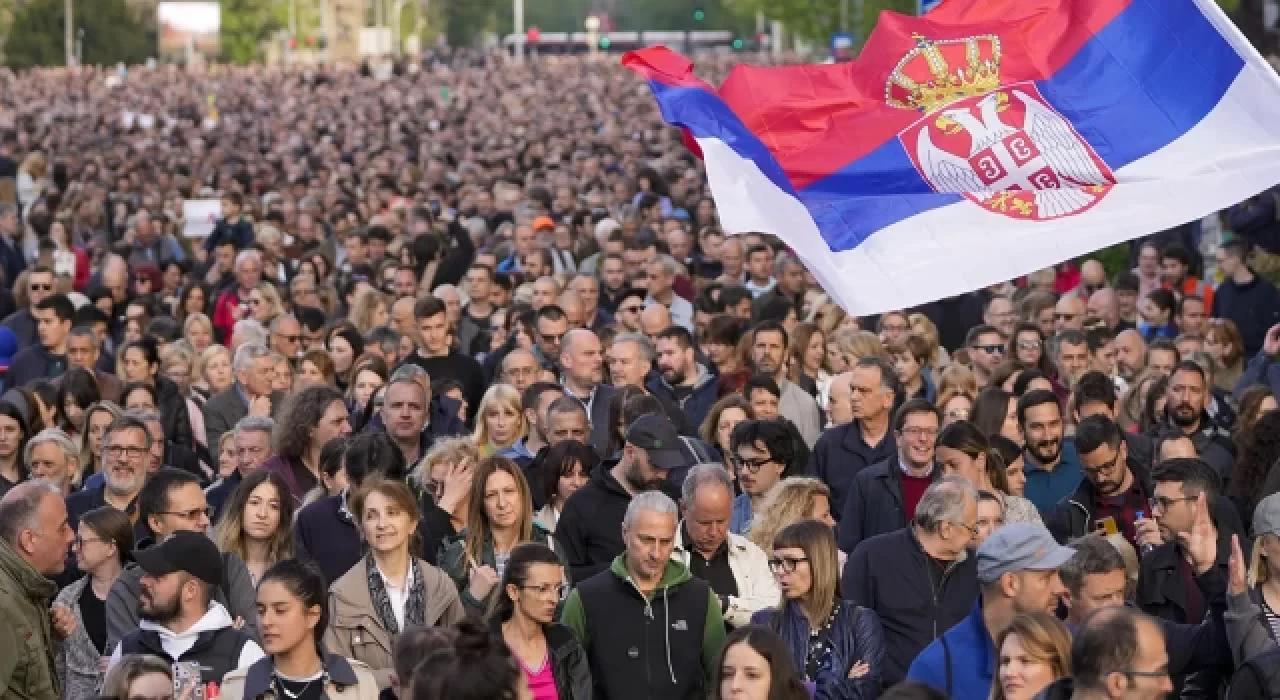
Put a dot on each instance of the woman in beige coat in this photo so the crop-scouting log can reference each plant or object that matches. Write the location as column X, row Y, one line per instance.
column 388, row 589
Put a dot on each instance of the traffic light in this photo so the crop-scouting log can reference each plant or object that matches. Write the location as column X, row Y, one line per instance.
column 699, row 14
column 738, row 44
column 605, row 42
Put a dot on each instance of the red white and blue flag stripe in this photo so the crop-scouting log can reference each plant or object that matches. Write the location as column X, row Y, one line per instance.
column 986, row 140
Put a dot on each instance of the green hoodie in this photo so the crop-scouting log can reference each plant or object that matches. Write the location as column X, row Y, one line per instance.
column 574, row 615
column 27, row 645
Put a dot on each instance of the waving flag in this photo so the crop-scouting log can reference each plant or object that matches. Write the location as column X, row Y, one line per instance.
column 984, row 141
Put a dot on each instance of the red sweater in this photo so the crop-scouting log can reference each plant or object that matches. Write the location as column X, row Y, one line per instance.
column 224, row 313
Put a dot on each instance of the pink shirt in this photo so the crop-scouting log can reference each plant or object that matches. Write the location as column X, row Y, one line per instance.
column 542, row 682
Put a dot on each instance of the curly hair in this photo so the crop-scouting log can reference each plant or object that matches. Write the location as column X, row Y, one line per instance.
column 1259, row 450
column 299, row 417
column 789, row 501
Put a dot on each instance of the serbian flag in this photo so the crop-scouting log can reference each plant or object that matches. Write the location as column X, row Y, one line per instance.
column 984, row 141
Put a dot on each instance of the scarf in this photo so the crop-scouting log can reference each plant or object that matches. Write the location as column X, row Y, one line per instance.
column 414, row 609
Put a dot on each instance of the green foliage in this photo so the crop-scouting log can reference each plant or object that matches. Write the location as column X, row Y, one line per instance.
column 245, row 24
column 113, row 33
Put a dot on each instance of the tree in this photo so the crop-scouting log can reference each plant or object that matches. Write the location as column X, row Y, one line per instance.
column 245, row 25
column 113, row 33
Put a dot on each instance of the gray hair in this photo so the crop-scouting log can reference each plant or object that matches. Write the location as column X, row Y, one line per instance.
column 127, row 421
column 652, row 501
column 944, row 502
column 20, row 507
column 669, row 264
column 145, row 416
column 57, row 437
column 251, row 330
column 281, row 320
column 639, row 340
column 247, row 255
column 781, row 263
column 246, row 354
column 408, row 372
column 702, row 475
column 1207, row 364
column 86, row 332
column 261, row 424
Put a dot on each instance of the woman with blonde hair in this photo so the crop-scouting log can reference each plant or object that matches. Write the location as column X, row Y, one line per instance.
column 791, row 500
column 500, row 421
column 828, row 316
column 499, row 517
column 955, row 404
column 853, row 345
column 211, row 374
column 370, row 310
column 1224, row 344
column 32, row 181
column 446, row 474
column 197, row 330
column 837, row 645
column 1034, row 651
column 138, row 676
column 808, row 355
column 265, row 303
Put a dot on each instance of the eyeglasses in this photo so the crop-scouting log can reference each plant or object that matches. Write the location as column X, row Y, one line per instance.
column 192, row 514
column 786, row 565
column 120, row 452
column 1028, row 345
column 1131, row 674
column 1163, row 503
column 958, row 414
column 972, row 530
column 991, row 349
column 895, row 329
column 751, row 466
column 1102, row 469
column 917, row 432
column 550, row 590
column 82, row 541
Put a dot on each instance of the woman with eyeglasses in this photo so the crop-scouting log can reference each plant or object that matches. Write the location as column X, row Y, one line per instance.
column 500, row 516
column 293, row 618
column 837, row 645
column 524, row 613
column 256, row 524
column 104, row 539
column 1026, row 349
column 264, row 303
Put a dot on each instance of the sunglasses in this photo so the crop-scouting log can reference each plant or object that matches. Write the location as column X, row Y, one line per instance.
column 991, row 349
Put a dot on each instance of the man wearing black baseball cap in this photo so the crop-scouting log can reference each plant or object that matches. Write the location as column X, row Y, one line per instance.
column 590, row 527
column 180, row 621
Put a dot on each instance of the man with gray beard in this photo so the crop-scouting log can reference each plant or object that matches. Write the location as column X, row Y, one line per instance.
column 126, row 453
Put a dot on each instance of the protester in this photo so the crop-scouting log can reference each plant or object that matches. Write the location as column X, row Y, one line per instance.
column 839, row 644
column 885, row 572
column 256, row 526
column 641, row 583
column 179, row 620
column 531, row 589
column 389, row 588
column 845, row 450
column 1035, row 650
column 756, row 664
column 765, row 452
column 138, row 675
column 103, row 544
column 293, row 620
column 736, row 569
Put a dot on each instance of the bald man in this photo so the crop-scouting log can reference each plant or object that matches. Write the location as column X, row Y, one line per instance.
column 653, row 320
column 1093, row 276
column 582, row 371
column 573, row 309
column 1069, row 313
column 1131, row 354
column 840, row 400
column 1104, row 306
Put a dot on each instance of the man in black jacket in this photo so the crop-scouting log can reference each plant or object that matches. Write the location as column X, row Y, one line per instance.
column 1095, row 394
column 1115, row 486
column 1095, row 578
column 920, row 580
column 589, row 530
column 846, row 450
column 884, row 496
column 1188, row 396
column 176, row 605
column 1184, row 497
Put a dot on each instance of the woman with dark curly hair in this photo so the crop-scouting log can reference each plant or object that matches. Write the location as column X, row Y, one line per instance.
column 1259, row 450
column 308, row 420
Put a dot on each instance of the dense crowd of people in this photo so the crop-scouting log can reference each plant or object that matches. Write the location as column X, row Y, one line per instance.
column 467, row 395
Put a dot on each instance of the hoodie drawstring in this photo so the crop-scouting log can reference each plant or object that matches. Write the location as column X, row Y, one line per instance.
column 666, row 616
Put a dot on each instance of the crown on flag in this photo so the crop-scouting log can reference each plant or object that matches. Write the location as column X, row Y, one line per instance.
column 935, row 73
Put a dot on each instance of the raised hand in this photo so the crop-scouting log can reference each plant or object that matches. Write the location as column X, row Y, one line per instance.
column 1237, row 569
column 1201, row 541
